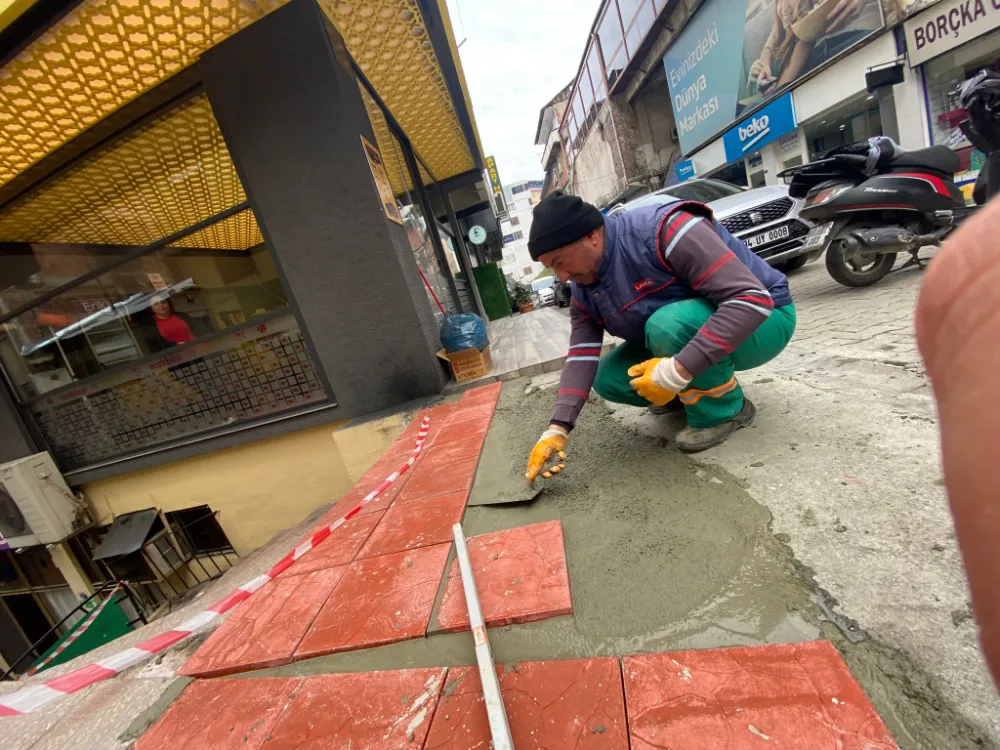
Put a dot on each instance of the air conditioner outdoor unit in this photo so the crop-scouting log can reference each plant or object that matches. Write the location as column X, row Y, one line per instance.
column 36, row 505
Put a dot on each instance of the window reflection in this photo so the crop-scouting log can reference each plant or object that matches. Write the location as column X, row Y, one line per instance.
column 144, row 307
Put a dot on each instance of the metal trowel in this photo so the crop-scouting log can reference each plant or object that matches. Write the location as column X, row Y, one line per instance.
column 522, row 491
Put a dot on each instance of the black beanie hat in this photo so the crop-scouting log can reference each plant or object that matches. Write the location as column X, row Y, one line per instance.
column 559, row 220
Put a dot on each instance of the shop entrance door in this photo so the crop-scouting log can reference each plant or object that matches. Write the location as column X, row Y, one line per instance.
column 756, row 174
column 33, row 624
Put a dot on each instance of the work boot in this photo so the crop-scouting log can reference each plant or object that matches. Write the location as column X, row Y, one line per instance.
column 673, row 406
column 694, row 439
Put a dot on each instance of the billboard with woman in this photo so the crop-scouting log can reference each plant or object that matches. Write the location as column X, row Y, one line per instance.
column 734, row 55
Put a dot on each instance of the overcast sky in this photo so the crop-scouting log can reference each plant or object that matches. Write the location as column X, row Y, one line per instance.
column 517, row 55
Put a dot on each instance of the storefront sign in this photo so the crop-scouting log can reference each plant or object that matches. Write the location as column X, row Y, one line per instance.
column 477, row 235
column 768, row 124
column 684, row 170
column 788, row 144
column 947, row 25
column 734, row 55
column 494, row 175
column 382, row 184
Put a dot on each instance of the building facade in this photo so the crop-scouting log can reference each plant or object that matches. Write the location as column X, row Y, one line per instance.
column 227, row 231
column 520, row 199
column 671, row 90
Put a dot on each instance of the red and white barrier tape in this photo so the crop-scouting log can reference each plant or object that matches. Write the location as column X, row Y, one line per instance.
column 33, row 697
column 76, row 633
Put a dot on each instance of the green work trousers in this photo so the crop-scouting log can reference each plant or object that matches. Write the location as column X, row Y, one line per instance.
column 714, row 396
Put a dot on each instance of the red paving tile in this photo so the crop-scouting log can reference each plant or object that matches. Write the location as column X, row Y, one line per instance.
column 484, row 394
column 221, row 715
column 266, row 628
column 415, row 525
column 574, row 704
column 379, row 600
column 433, row 480
column 799, row 696
column 340, row 548
column 472, row 410
column 454, row 452
column 372, row 479
column 520, row 575
column 368, row 711
column 468, row 430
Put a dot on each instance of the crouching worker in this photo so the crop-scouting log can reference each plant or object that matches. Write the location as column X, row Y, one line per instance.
column 692, row 302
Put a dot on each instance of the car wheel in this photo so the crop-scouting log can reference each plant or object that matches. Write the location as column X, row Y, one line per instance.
column 794, row 264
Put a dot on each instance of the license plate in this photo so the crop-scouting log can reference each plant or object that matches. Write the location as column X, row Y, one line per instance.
column 817, row 236
column 764, row 238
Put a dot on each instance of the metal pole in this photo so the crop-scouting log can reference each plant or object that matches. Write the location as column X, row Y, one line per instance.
column 499, row 728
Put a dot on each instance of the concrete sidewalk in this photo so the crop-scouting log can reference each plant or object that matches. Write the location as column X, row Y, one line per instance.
column 826, row 520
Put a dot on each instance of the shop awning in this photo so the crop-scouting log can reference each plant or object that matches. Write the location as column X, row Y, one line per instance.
column 126, row 535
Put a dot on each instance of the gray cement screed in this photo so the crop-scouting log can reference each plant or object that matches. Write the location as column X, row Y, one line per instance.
column 663, row 555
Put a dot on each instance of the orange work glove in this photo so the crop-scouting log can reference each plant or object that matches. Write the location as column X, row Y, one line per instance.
column 552, row 442
column 657, row 380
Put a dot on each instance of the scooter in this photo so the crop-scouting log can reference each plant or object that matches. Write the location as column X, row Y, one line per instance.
column 870, row 201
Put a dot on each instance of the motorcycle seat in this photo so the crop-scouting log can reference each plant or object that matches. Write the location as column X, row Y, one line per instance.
column 936, row 158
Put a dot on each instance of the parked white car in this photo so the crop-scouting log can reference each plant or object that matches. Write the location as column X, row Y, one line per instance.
column 765, row 218
column 544, row 291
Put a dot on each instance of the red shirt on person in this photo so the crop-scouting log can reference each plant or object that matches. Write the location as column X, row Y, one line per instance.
column 174, row 329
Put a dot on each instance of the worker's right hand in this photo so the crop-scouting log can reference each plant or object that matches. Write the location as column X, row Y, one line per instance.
column 553, row 441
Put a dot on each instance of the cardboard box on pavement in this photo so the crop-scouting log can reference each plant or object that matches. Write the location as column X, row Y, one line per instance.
column 469, row 363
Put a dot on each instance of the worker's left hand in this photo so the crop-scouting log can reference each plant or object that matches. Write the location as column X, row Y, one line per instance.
column 657, row 380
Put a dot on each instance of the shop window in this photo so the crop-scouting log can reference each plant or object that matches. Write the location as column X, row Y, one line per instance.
column 854, row 122
column 640, row 26
column 612, row 43
column 200, row 529
column 943, row 78
column 579, row 115
column 627, row 10
column 141, row 349
column 38, row 568
column 437, row 271
column 596, row 76
column 587, row 100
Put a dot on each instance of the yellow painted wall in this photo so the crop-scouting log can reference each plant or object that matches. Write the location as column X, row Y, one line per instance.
column 259, row 488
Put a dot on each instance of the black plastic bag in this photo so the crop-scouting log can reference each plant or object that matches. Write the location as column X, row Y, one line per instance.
column 464, row 331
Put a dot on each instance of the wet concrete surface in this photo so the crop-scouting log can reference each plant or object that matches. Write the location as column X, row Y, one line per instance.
column 664, row 554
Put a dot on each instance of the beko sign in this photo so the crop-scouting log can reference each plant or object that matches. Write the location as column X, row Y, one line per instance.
column 948, row 24
column 769, row 124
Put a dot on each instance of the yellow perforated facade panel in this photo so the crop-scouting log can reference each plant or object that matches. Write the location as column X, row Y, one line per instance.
column 98, row 57
column 239, row 232
column 389, row 41
column 107, row 52
column 157, row 180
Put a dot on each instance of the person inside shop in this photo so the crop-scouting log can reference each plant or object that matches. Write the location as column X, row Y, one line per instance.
column 161, row 327
column 692, row 302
